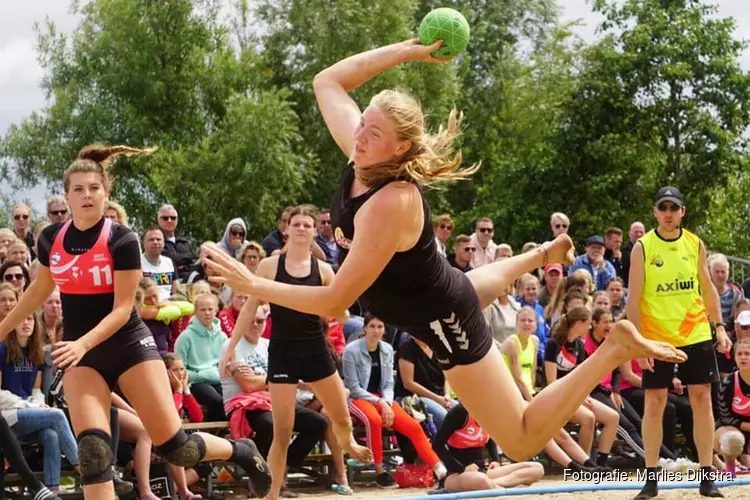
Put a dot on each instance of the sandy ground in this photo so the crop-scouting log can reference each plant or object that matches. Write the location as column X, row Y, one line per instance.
column 364, row 491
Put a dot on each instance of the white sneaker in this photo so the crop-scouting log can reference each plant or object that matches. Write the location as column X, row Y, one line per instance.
column 669, row 465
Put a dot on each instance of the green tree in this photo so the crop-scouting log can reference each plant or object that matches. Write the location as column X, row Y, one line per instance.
column 163, row 73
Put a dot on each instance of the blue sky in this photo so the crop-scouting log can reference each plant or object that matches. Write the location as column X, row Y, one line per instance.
column 20, row 73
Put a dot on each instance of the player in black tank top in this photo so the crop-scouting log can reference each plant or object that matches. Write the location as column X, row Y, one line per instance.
column 105, row 341
column 382, row 224
column 298, row 349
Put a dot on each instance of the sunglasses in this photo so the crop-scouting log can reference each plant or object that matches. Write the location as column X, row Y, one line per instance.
column 13, row 277
column 168, row 217
column 485, row 229
column 470, row 249
column 561, row 226
column 21, row 216
column 443, row 226
column 325, row 223
column 663, row 207
column 744, row 327
column 241, row 234
column 58, row 212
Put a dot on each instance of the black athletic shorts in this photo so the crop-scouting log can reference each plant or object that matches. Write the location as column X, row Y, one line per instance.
column 700, row 368
column 462, row 336
column 291, row 362
column 121, row 352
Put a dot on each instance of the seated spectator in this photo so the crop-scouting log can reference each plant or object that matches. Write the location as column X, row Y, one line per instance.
column 177, row 248
column 276, row 239
column 19, row 252
column 156, row 266
column 553, row 273
column 575, row 297
column 6, row 237
column 325, row 239
column 21, row 364
column 248, row 404
column 335, row 334
column 613, row 252
column 504, row 251
column 594, row 262
column 199, row 347
column 442, row 227
column 17, row 274
column 565, row 351
column 8, row 299
column 228, row 316
column 528, row 289
column 116, row 213
column 463, row 250
column 158, row 315
column 733, row 423
column 35, row 235
column 460, row 444
column 368, row 374
column 616, row 291
column 420, row 374
column 601, row 299
column 576, row 280
column 252, row 254
column 501, row 315
column 233, row 239
column 184, row 401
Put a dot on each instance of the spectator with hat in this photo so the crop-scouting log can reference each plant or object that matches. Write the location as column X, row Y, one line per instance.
column 552, row 275
column 594, row 262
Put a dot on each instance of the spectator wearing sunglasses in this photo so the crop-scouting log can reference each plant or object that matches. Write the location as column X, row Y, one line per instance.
column 57, row 209
column 17, row 274
column 234, row 238
column 325, row 239
column 177, row 248
column 22, row 226
column 157, row 266
column 442, row 226
column 463, row 251
column 559, row 224
column 482, row 240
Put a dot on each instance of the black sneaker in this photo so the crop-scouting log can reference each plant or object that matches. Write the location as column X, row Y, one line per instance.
column 385, row 481
column 122, row 487
column 246, row 455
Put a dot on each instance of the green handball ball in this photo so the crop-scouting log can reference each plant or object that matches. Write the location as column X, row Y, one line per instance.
column 448, row 25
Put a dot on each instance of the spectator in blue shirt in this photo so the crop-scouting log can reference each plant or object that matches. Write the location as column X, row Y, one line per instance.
column 528, row 291
column 325, row 239
column 593, row 261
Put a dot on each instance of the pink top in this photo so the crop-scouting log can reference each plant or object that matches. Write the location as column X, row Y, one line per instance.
column 590, row 345
column 636, row 370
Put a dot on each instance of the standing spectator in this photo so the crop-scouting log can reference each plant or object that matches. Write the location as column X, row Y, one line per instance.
column 276, row 239
column 234, row 237
column 157, row 266
column 559, row 224
column 482, row 240
column 325, row 239
column 22, row 226
column 116, row 213
column 729, row 295
column 637, row 229
column 463, row 250
column 176, row 247
column 504, row 251
column 593, row 261
column 252, row 254
column 442, row 226
column 552, row 276
column 613, row 252
column 527, row 297
column 57, row 209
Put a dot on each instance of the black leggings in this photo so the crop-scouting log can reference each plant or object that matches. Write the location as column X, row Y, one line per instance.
column 10, row 450
column 629, row 428
column 210, row 396
column 310, row 427
column 676, row 410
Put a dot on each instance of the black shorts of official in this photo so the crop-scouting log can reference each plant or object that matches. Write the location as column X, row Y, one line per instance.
column 462, row 335
column 700, row 368
column 121, row 352
column 291, row 362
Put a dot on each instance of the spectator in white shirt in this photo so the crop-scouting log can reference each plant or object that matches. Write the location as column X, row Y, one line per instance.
column 442, row 226
column 482, row 238
column 156, row 266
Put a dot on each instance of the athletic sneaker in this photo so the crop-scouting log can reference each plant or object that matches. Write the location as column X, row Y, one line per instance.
column 246, row 455
column 385, row 481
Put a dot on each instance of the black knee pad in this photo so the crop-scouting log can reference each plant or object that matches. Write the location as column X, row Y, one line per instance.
column 183, row 450
column 95, row 456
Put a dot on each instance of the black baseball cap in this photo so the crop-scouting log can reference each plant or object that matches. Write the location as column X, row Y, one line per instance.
column 595, row 240
column 669, row 193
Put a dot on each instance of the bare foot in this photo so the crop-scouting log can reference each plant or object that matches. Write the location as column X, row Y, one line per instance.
column 626, row 338
column 350, row 446
column 560, row 250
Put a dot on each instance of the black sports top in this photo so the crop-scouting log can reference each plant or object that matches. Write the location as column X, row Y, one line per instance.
column 417, row 286
column 291, row 325
column 81, row 313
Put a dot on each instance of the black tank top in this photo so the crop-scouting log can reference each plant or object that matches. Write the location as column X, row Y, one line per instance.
column 288, row 324
column 418, row 285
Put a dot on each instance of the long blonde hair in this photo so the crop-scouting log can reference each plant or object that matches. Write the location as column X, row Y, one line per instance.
column 431, row 158
column 98, row 158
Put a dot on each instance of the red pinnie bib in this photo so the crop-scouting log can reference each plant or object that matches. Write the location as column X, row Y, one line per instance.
column 469, row 436
column 90, row 273
column 740, row 402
